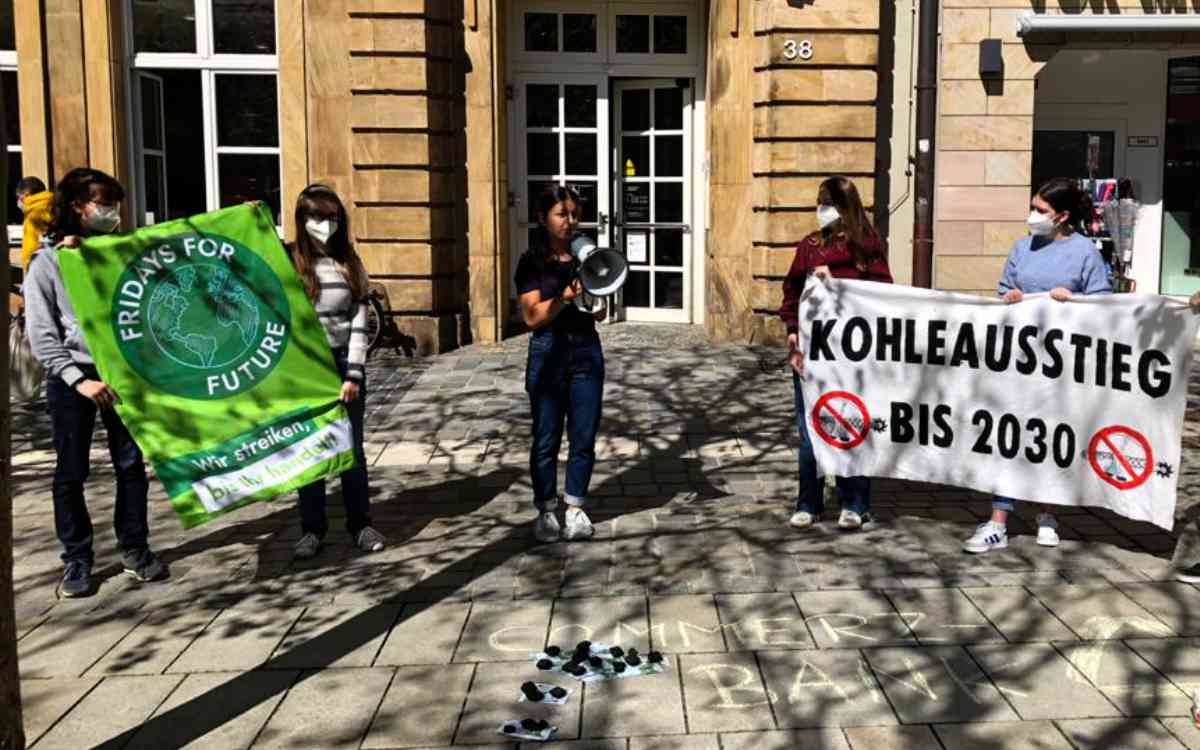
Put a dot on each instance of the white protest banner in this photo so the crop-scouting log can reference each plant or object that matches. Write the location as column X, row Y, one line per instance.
column 1069, row 403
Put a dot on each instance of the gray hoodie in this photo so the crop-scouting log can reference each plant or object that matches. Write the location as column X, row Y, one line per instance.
column 50, row 322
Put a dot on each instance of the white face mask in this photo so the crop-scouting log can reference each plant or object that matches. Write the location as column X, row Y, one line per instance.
column 1041, row 225
column 21, row 205
column 321, row 231
column 103, row 219
column 827, row 215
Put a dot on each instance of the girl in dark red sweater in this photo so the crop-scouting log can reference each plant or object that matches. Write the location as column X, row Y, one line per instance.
column 845, row 247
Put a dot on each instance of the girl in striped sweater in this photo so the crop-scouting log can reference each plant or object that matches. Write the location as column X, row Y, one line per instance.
column 336, row 281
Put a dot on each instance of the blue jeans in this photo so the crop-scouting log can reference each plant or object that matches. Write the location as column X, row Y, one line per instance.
column 854, row 493
column 564, row 377
column 355, row 489
column 72, row 421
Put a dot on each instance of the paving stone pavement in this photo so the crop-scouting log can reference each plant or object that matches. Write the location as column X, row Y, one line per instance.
column 888, row 638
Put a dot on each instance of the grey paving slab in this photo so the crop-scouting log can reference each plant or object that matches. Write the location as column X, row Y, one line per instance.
column 833, row 688
column 1099, row 611
column 493, row 700
column 583, row 745
column 116, row 706
column 237, row 640
column 1146, row 734
column 892, row 738
column 642, row 706
column 154, row 644
column 1185, row 731
column 1177, row 658
column 421, row 707
column 685, row 624
column 504, row 631
column 43, row 702
column 1003, row 735
column 1176, row 604
column 348, row 699
column 68, row 647
column 1018, row 615
column 424, row 634
column 335, row 637
column 614, row 620
column 816, row 739
column 1040, row 683
column 724, row 692
column 937, row 684
column 943, row 616
column 1129, row 681
column 853, row 619
column 676, row 742
column 226, row 695
column 760, row 622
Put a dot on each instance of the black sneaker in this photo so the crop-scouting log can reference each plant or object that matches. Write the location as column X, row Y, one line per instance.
column 143, row 566
column 77, row 579
column 1189, row 575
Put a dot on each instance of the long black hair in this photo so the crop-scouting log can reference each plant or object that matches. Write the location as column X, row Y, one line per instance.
column 1064, row 194
column 322, row 200
column 854, row 224
column 552, row 194
column 77, row 188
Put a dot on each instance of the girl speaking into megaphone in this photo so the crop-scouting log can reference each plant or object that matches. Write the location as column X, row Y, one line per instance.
column 564, row 375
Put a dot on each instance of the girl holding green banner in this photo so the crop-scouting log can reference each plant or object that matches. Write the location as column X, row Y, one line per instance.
column 86, row 203
column 335, row 279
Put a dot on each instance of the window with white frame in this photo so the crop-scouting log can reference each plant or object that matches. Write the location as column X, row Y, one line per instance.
column 205, row 119
column 12, row 114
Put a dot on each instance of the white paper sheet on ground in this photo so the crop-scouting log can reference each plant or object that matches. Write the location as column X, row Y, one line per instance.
column 605, row 671
column 548, row 699
column 523, row 734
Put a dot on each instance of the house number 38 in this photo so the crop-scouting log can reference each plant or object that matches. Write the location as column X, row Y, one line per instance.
column 802, row 50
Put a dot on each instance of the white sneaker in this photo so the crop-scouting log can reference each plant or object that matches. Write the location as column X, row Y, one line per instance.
column 1189, row 574
column 579, row 526
column 802, row 519
column 1047, row 530
column 849, row 520
column 547, row 529
column 988, row 536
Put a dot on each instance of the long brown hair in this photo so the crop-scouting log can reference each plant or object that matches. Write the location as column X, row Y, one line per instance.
column 854, row 225
column 321, row 202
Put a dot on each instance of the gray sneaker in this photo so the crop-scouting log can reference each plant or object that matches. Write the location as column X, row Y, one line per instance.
column 76, row 580
column 370, row 540
column 308, row 547
column 144, row 567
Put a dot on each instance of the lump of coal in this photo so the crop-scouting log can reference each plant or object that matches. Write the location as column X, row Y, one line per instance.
column 553, row 650
column 510, row 728
column 595, row 661
column 618, row 667
column 531, row 692
column 633, row 660
column 579, row 671
column 654, row 657
column 633, row 652
column 531, row 725
column 545, row 664
column 585, row 646
column 559, row 693
column 617, row 652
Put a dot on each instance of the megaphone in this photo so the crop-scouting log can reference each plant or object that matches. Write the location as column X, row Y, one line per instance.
column 602, row 271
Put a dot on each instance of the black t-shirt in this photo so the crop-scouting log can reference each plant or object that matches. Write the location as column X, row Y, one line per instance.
column 551, row 278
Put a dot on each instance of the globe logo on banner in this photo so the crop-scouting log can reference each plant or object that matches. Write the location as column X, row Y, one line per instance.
column 200, row 316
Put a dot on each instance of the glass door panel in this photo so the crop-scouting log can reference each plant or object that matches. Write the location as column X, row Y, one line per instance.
column 653, row 215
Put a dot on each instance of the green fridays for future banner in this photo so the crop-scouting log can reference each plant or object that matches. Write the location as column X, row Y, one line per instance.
column 226, row 380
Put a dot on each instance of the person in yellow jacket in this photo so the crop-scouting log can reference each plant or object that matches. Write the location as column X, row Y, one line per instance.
column 35, row 203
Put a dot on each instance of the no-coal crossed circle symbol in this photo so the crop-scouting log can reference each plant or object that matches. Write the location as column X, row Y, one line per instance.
column 1121, row 456
column 832, row 423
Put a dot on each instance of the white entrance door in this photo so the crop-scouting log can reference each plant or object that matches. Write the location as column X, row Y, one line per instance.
column 653, row 214
column 151, row 128
column 561, row 137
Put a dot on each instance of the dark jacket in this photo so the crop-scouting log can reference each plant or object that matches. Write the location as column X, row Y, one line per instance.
column 834, row 253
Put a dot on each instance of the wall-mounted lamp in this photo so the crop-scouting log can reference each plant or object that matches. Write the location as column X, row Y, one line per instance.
column 991, row 59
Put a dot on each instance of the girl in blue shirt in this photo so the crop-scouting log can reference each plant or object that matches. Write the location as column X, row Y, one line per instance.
column 1054, row 258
